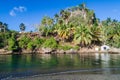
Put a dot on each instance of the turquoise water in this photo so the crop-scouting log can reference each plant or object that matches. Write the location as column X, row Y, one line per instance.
column 39, row 64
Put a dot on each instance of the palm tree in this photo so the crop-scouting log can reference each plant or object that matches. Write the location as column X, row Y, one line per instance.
column 22, row 27
column 83, row 35
column 47, row 21
column 65, row 15
column 82, row 6
column 56, row 16
column 96, row 34
column 46, row 26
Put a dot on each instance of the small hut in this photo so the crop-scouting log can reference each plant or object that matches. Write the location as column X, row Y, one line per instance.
column 105, row 48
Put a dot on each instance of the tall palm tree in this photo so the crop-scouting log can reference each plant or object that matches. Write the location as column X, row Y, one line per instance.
column 56, row 16
column 46, row 26
column 96, row 34
column 65, row 15
column 83, row 35
column 47, row 21
column 82, row 6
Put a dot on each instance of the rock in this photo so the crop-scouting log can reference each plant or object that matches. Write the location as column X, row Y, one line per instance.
column 60, row 51
column 47, row 50
column 3, row 51
column 71, row 51
column 115, row 50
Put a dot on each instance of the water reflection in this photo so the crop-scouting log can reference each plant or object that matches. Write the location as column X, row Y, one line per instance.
column 50, row 63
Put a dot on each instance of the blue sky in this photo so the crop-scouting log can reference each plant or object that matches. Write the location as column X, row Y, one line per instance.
column 30, row 12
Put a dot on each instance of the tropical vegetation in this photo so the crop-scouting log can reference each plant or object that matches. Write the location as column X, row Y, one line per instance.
column 71, row 28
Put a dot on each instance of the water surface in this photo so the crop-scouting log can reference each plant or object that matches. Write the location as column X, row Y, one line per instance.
column 34, row 64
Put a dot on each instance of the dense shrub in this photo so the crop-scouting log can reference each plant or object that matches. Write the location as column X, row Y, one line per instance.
column 65, row 47
column 23, row 42
column 12, row 44
column 50, row 43
column 30, row 45
column 38, row 42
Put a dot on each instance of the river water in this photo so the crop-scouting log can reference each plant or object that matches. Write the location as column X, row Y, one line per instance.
column 12, row 66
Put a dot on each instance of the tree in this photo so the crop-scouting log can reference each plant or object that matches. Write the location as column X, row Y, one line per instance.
column 12, row 44
column 3, row 27
column 96, row 34
column 56, row 16
column 65, row 15
column 22, row 27
column 23, row 41
column 46, row 26
column 47, row 21
column 83, row 35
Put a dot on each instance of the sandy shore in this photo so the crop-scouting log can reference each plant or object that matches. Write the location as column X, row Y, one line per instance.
column 73, row 77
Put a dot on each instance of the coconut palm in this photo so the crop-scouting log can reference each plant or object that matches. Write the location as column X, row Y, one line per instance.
column 47, row 21
column 46, row 26
column 56, row 16
column 65, row 15
column 83, row 35
column 96, row 34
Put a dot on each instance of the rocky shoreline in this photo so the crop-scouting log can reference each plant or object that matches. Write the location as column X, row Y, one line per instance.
column 54, row 51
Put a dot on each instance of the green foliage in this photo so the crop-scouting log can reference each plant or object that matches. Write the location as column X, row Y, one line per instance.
column 38, row 42
column 3, row 27
column 65, row 47
column 77, row 24
column 4, row 39
column 23, row 41
column 83, row 35
column 68, row 47
column 46, row 26
column 76, row 47
column 50, row 43
column 30, row 45
column 12, row 44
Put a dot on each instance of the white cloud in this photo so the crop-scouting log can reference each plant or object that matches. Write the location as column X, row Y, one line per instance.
column 19, row 9
column 12, row 13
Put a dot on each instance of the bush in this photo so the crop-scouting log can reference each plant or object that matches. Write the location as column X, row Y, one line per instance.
column 30, row 45
column 38, row 42
column 23, row 42
column 4, row 39
column 65, row 47
column 12, row 45
column 50, row 43
column 76, row 47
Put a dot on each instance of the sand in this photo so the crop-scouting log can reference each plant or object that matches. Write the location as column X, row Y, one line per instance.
column 73, row 76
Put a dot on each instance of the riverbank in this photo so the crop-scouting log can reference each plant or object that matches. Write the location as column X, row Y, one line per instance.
column 74, row 77
column 51, row 51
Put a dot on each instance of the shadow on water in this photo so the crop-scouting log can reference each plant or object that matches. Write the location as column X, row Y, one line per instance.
column 12, row 66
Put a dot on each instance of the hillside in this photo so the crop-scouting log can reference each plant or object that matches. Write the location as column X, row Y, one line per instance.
column 72, row 28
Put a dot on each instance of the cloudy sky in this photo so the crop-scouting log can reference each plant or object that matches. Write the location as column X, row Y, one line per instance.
column 30, row 12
